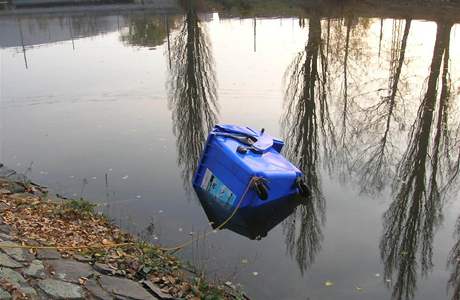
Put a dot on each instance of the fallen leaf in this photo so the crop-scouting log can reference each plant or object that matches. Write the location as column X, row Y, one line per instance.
column 328, row 283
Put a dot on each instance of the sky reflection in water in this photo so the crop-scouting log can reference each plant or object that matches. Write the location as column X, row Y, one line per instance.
column 116, row 108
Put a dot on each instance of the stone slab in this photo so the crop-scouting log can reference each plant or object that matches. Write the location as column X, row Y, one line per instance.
column 6, row 261
column 12, row 276
column 103, row 268
column 36, row 269
column 18, row 254
column 69, row 270
column 96, row 290
column 57, row 289
column 82, row 258
column 5, row 237
column 125, row 288
column 18, row 282
column 4, row 295
column 157, row 291
column 48, row 254
column 5, row 228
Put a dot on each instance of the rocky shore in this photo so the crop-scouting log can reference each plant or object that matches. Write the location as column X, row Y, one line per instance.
column 53, row 248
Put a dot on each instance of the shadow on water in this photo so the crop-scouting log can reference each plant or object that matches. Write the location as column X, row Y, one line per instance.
column 424, row 174
column 253, row 223
column 192, row 88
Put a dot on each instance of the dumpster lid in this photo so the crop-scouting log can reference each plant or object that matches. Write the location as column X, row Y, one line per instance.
column 264, row 141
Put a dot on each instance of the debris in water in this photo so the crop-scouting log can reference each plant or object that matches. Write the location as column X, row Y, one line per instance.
column 328, row 283
column 160, row 211
column 359, row 289
column 228, row 283
column 191, row 233
column 388, row 280
column 93, row 178
column 244, row 261
column 255, row 273
column 71, row 176
column 180, row 229
column 138, row 196
column 124, row 177
column 110, row 170
column 377, row 275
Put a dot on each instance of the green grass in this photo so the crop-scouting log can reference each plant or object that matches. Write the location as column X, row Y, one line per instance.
column 80, row 206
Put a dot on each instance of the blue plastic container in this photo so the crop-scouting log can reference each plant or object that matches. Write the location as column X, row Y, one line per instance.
column 234, row 155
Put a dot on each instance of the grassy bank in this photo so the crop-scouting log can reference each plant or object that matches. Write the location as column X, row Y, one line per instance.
column 74, row 229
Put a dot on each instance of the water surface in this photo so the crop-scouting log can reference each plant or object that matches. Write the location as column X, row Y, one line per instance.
column 115, row 108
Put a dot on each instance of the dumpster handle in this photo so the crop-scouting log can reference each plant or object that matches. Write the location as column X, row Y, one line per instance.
column 244, row 139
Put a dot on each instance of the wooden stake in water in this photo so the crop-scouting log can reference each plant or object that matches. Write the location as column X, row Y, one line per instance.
column 22, row 43
column 255, row 34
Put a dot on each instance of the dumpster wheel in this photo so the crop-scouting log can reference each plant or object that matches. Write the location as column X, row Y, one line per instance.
column 302, row 186
column 261, row 189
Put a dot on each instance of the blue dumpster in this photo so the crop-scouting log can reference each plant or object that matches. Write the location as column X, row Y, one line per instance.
column 242, row 166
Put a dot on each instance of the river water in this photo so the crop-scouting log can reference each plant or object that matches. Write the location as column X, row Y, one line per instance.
column 115, row 107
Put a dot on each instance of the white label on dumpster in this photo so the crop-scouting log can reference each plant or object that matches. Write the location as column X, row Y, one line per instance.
column 206, row 178
column 215, row 187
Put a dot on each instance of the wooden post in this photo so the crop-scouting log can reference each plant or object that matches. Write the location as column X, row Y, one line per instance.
column 21, row 35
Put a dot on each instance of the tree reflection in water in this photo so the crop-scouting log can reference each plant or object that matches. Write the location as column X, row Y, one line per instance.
column 308, row 127
column 148, row 31
column 347, row 54
column 374, row 165
column 424, row 173
column 416, row 211
column 192, row 90
column 454, row 264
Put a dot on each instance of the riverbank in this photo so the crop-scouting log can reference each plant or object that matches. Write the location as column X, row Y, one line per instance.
column 158, row 6
column 53, row 248
column 414, row 10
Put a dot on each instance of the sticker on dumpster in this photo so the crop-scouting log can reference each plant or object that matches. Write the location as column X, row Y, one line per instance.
column 215, row 187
